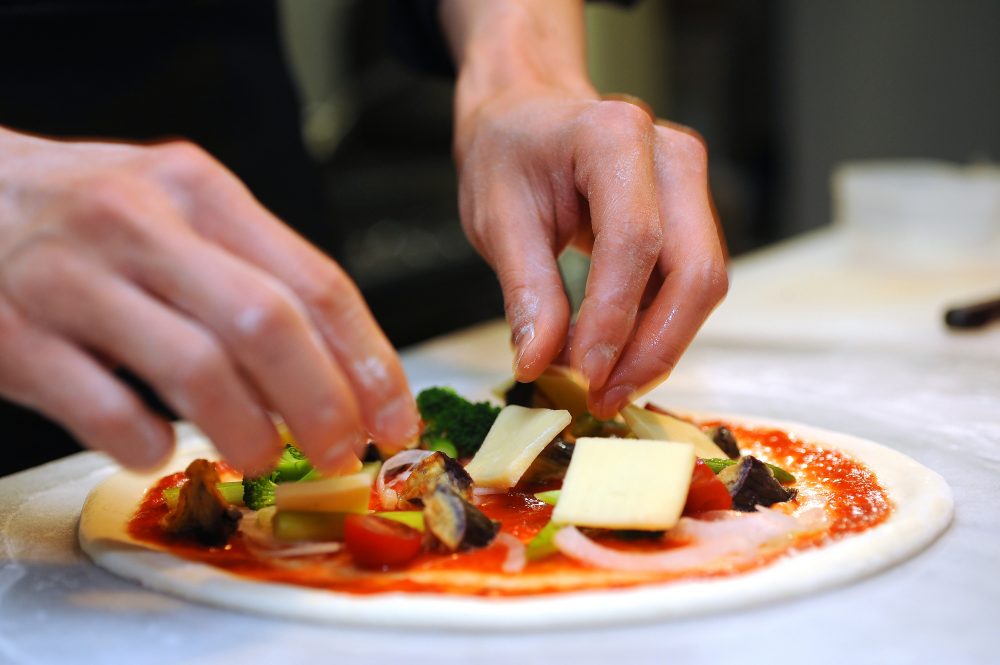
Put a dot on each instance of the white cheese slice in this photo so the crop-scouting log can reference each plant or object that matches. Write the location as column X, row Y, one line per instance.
column 625, row 484
column 647, row 424
column 512, row 444
column 563, row 388
column 347, row 494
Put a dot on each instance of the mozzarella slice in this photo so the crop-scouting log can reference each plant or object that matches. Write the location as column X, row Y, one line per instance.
column 563, row 389
column 625, row 484
column 512, row 444
column 647, row 424
column 347, row 494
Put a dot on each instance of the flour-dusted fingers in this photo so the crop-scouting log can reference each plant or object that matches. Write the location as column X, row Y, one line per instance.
column 180, row 359
column 615, row 172
column 224, row 212
column 46, row 373
column 693, row 265
column 266, row 330
column 522, row 252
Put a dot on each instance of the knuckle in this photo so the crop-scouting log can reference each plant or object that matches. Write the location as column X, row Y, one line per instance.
column 690, row 144
column 183, row 160
column 619, row 119
column 100, row 200
column 712, row 279
column 328, row 290
column 640, row 241
column 266, row 320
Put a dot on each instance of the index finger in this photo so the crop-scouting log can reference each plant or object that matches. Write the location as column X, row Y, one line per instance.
column 693, row 262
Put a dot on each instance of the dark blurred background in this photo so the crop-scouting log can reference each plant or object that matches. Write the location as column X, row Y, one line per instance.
column 782, row 90
column 309, row 102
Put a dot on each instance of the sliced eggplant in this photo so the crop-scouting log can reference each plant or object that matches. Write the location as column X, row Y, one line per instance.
column 455, row 523
column 751, row 483
column 520, row 394
column 202, row 513
column 723, row 437
column 551, row 463
column 437, row 470
column 371, row 453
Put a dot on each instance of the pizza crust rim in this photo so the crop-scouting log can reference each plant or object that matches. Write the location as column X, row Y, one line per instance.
column 923, row 509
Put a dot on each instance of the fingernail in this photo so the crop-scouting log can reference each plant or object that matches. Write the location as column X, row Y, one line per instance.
column 156, row 446
column 597, row 363
column 339, row 457
column 614, row 399
column 396, row 421
column 523, row 338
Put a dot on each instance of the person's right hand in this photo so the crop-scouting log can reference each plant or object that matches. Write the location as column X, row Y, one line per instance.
column 157, row 259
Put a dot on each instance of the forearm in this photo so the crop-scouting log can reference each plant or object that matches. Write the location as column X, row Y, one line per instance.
column 502, row 45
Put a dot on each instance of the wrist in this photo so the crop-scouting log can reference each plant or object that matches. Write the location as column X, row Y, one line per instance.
column 508, row 47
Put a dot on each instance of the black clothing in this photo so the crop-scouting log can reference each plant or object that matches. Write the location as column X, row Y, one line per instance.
column 210, row 71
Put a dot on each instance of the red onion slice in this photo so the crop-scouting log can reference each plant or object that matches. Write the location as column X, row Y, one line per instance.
column 406, row 458
column 516, row 558
column 732, row 538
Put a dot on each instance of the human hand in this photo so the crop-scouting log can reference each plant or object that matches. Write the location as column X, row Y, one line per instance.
column 545, row 163
column 542, row 169
column 157, row 259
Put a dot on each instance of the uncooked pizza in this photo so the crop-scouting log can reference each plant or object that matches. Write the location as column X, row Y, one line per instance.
column 527, row 513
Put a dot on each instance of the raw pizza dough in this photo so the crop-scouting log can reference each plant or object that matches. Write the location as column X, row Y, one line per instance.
column 922, row 510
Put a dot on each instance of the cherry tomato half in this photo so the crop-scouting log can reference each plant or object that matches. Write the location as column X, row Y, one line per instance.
column 376, row 542
column 707, row 491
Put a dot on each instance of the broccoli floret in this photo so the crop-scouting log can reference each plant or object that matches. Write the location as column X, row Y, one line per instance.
column 292, row 465
column 258, row 491
column 453, row 418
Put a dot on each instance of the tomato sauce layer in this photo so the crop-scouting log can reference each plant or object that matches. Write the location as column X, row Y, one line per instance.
column 846, row 490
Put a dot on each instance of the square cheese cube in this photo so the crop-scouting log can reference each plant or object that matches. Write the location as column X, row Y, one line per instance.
column 625, row 484
column 517, row 437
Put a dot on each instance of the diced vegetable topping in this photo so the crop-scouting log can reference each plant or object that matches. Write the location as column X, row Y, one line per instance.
column 301, row 525
column 550, row 497
column 723, row 437
column 551, row 463
column 707, row 492
column 377, row 542
column 201, row 511
column 411, row 518
column 231, row 491
column 780, row 474
column 543, row 544
column 258, row 491
column 430, row 472
column 751, row 483
column 455, row 523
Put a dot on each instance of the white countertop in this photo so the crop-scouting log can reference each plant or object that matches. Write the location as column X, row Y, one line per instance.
column 804, row 336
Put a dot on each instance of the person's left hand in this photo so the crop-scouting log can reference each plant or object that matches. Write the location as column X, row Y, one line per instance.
column 543, row 168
